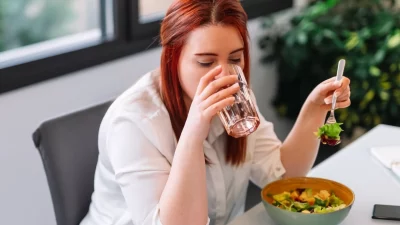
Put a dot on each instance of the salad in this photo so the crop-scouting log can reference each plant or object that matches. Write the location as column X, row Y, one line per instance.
column 308, row 201
column 329, row 133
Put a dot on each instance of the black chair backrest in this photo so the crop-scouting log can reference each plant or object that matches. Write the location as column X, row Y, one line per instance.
column 69, row 151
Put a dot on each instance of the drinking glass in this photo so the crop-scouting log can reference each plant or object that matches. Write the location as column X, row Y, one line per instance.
column 241, row 118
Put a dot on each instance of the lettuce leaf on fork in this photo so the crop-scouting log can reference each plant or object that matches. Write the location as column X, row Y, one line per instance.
column 330, row 130
column 329, row 133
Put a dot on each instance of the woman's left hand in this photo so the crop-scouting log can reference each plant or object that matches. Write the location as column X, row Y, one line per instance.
column 322, row 95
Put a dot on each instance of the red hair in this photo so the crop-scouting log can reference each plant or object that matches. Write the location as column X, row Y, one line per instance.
column 182, row 17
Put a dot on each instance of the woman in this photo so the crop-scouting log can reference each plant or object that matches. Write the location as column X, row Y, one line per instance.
column 165, row 157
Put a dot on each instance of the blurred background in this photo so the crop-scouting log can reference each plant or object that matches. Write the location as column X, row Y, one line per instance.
column 57, row 57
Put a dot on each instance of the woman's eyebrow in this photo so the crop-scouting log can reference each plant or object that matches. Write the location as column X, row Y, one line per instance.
column 214, row 54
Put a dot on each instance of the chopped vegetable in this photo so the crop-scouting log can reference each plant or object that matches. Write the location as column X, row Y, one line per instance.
column 281, row 197
column 295, row 195
column 306, row 196
column 307, row 201
column 324, row 194
column 335, row 201
column 329, row 133
column 321, row 202
column 301, row 206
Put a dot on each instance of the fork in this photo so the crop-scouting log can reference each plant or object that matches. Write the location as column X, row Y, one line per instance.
column 339, row 74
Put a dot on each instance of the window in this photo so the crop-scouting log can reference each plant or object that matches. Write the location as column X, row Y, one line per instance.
column 150, row 10
column 41, row 28
column 43, row 39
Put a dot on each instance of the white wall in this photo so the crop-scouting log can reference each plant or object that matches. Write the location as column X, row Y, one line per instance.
column 24, row 194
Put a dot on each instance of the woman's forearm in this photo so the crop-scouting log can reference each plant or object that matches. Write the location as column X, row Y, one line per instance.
column 184, row 199
column 300, row 148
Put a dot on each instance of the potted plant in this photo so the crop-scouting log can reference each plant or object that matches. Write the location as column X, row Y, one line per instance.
column 366, row 33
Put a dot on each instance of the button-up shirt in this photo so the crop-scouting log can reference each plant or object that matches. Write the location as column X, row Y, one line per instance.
column 136, row 151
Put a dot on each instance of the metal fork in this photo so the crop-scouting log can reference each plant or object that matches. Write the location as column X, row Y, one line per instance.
column 339, row 74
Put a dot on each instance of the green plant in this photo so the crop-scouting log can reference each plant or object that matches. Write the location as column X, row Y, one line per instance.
column 364, row 32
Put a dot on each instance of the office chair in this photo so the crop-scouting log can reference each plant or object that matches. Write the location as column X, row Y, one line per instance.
column 68, row 149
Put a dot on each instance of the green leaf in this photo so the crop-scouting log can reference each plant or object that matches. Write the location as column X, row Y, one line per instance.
column 352, row 42
column 379, row 56
column 386, row 85
column 330, row 130
column 316, row 10
column 331, row 3
column 301, row 206
column 302, row 38
column 393, row 67
column 367, row 99
column 384, row 95
column 369, row 96
column 365, row 33
column 281, row 197
column 334, row 200
column 321, row 202
column 374, row 71
column 307, row 26
column 394, row 41
column 384, row 23
column 319, row 209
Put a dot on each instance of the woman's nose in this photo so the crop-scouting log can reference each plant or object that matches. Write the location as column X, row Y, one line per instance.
column 226, row 70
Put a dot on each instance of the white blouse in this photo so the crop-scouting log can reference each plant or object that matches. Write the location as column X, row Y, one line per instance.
column 136, row 150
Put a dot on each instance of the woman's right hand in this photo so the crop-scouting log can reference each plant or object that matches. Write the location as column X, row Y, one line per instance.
column 212, row 95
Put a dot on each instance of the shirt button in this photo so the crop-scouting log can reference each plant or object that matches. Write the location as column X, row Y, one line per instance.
column 278, row 169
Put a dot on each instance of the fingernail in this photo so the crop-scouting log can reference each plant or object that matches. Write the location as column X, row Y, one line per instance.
column 236, row 85
column 338, row 83
column 337, row 94
column 328, row 101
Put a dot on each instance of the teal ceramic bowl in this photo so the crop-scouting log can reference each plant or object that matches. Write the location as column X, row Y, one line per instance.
column 284, row 217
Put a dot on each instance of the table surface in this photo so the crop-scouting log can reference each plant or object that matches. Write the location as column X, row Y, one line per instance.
column 356, row 168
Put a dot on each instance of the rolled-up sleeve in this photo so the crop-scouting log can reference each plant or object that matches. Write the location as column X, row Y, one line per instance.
column 156, row 218
column 266, row 161
column 267, row 165
column 140, row 169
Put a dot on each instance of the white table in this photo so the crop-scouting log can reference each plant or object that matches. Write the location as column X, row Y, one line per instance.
column 355, row 167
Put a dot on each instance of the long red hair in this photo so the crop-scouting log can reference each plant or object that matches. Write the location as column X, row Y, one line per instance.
column 182, row 17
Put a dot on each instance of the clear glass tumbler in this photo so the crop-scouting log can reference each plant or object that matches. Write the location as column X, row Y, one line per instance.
column 240, row 119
